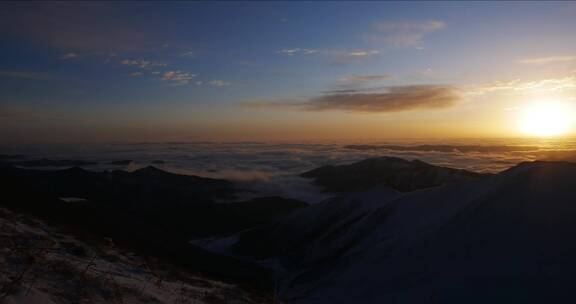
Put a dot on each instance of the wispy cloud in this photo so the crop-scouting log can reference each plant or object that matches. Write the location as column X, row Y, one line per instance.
column 345, row 57
column 362, row 53
column 334, row 56
column 219, row 83
column 189, row 54
column 69, row 56
column 143, row 64
column 359, row 84
column 365, row 78
column 547, row 60
column 136, row 74
column 297, row 51
column 517, row 85
column 178, row 77
column 404, row 34
column 26, row 75
column 393, row 99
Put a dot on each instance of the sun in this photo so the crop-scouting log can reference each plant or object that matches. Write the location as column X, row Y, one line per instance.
column 546, row 119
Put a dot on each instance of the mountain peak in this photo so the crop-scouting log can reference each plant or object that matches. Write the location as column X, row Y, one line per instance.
column 149, row 170
column 397, row 173
column 529, row 166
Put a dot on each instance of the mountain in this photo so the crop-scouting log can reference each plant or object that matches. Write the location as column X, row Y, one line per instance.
column 149, row 210
column 141, row 188
column 397, row 173
column 504, row 238
column 143, row 200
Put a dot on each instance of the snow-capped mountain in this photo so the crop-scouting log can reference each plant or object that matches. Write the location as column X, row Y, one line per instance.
column 504, row 238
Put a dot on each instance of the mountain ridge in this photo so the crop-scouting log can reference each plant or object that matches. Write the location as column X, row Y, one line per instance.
column 505, row 236
column 400, row 174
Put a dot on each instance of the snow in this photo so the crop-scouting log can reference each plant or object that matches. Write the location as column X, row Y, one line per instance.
column 45, row 266
column 503, row 238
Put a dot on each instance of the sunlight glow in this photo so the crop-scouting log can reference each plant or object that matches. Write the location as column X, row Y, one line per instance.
column 546, row 119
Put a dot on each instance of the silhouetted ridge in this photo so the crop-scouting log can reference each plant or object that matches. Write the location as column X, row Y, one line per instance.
column 400, row 174
column 151, row 170
column 151, row 210
column 540, row 164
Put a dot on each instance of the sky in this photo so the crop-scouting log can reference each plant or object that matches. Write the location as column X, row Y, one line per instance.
column 285, row 71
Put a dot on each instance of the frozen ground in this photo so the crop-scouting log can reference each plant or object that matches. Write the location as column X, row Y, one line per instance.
column 41, row 265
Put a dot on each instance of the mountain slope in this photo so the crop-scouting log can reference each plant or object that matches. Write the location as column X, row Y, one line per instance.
column 40, row 264
column 142, row 188
column 507, row 238
column 149, row 210
column 397, row 173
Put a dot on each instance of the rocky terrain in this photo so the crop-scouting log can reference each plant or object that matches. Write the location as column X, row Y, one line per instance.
column 40, row 264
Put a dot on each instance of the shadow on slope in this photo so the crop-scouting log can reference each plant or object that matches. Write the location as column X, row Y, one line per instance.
column 150, row 210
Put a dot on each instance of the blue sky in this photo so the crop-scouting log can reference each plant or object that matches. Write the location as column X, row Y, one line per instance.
column 123, row 71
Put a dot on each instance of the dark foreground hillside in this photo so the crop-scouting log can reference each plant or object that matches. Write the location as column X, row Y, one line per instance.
column 43, row 265
column 151, row 212
column 504, row 238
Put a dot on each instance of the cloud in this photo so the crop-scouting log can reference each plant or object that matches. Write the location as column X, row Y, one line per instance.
column 178, row 77
column 189, row 54
column 423, row 27
column 394, row 99
column 404, row 34
column 547, row 60
column 362, row 53
column 219, row 83
column 359, row 84
column 446, row 148
column 143, row 64
column 337, row 56
column 365, row 78
column 297, row 51
column 69, row 56
column 277, row 103
column 344, row 57
column 543, row 85
column 26, row 75
column 136, row 74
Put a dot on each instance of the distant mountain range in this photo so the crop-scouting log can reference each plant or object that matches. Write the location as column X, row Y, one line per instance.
column 503, row 238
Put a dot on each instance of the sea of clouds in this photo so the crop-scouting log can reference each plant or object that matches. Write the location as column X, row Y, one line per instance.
column 264, row 169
